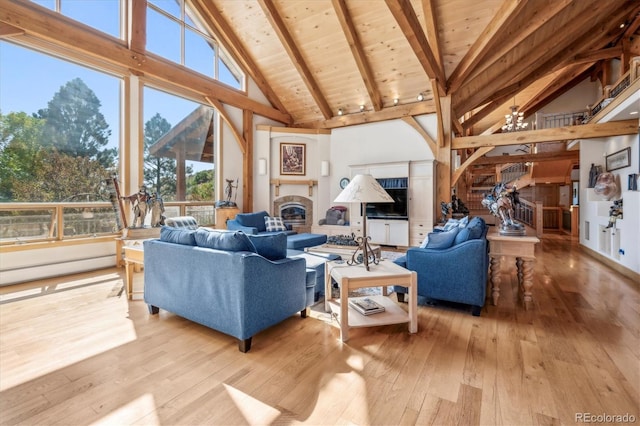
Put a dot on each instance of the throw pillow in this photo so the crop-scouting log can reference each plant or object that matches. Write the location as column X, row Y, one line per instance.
column 178, row 236
column 476, row 227
column 463, row 235
column 451, row 223
column 442, row 240
column 274, row 224
column 184, row 222
column 463, row 222
column 271, row 246
column 424, row 242
column 224, row 240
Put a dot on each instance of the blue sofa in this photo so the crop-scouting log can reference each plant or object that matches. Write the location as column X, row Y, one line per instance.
column 228, row 281
column 252, row 224
column 452, row 266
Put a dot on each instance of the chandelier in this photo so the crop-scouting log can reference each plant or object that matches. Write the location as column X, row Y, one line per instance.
column 514, row 122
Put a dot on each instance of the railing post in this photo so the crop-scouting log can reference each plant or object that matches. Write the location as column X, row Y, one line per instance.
column 539, row 219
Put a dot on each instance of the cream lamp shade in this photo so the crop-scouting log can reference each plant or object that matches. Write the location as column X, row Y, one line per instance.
column 363, row 189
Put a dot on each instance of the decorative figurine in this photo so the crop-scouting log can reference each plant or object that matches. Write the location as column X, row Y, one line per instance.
column 140, row 205
column 500, row 203
column 444, row 209
column 606, row 186
column 615, row 213
column 229, row 193
column 157, row 208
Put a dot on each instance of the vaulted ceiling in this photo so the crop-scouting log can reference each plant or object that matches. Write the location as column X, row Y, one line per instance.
column 314, row 58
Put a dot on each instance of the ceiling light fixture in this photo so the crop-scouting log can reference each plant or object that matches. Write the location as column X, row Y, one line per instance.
column 361, row 108
column 396, row 101
column 420, row 97
column 340, row 111
column 514, row 122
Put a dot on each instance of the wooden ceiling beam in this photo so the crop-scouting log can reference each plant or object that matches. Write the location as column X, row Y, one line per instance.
column 483, row 44
column 523, row 158
column 220, row 28
column 596, row 55
column 389, row 113
column 66, row 33
column 431, row 22
column 556, row 134
column 408, row 22
column 528, row 54
column 571, row 77
column 280, row 28
column 349, row 29
column 7, row 30
column 411, row 121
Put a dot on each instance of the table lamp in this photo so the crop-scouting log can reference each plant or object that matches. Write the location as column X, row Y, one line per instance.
column 363, row 189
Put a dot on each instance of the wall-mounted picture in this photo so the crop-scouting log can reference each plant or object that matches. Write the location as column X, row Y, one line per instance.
column 292, row 159
column 619, row 160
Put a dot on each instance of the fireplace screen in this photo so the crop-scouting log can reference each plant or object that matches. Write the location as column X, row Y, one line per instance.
column 293, row 213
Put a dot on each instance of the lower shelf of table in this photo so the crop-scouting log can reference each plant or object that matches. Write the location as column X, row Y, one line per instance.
column 393, row 313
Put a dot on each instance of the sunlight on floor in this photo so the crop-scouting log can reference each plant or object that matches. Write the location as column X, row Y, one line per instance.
column 143, row 406
column 255, row 412
column 64, row 345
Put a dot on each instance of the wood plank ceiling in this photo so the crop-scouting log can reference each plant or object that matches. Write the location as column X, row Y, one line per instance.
column 314, row 58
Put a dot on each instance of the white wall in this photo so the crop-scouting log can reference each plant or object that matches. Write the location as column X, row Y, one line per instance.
column 382, row 142
column 619, row 244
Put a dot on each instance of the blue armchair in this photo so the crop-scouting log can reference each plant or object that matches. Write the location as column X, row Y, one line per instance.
column 452, row 267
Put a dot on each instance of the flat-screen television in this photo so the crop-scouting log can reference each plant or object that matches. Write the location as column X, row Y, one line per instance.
column 397, row 210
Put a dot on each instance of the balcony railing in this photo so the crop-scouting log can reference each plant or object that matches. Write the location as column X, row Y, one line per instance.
column 24, row 223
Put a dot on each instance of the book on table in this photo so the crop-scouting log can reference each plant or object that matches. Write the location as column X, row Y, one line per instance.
column 365, row 305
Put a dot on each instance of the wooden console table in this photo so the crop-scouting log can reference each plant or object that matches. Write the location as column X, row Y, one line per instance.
column 523, row 250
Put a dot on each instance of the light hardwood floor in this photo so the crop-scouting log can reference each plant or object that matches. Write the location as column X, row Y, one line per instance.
column 75, row 351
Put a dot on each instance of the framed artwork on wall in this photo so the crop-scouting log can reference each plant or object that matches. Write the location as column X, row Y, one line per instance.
column 619, row 160
column 292, row 159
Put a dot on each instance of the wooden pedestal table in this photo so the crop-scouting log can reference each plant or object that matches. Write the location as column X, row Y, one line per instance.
column 381, row 275
column 132, row 256
column 522, row 248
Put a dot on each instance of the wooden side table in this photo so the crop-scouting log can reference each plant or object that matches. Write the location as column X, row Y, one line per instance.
column 133, row 255
column 522, row 249
column 381, row 275
column 223, row 214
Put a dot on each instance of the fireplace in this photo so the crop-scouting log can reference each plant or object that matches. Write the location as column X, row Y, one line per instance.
column 294, row 210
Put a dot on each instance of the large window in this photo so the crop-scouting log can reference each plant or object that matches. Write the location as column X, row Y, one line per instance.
column 174, row 32
column 59, row 134
column 103, row 15
column 58, row 143
column 179, row 143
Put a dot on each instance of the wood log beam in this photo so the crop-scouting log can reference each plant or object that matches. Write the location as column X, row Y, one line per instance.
column 218, row 26
column 408, row 22
column 280, row 28
column 7, row 30
column 468, row 162
column 524, row 158
column 411, row 121
column 349, row 29
column 389, row 113
column 556, row 134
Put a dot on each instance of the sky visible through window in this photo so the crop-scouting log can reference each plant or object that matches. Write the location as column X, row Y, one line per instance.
column 29, row 79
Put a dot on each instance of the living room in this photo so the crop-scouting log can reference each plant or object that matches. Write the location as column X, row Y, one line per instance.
column 92, row 355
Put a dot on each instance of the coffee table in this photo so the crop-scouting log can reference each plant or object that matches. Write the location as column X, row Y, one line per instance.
column 381, row 275
column 345, row 252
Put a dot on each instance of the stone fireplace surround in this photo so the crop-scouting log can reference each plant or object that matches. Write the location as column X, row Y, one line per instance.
column 300, row 203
